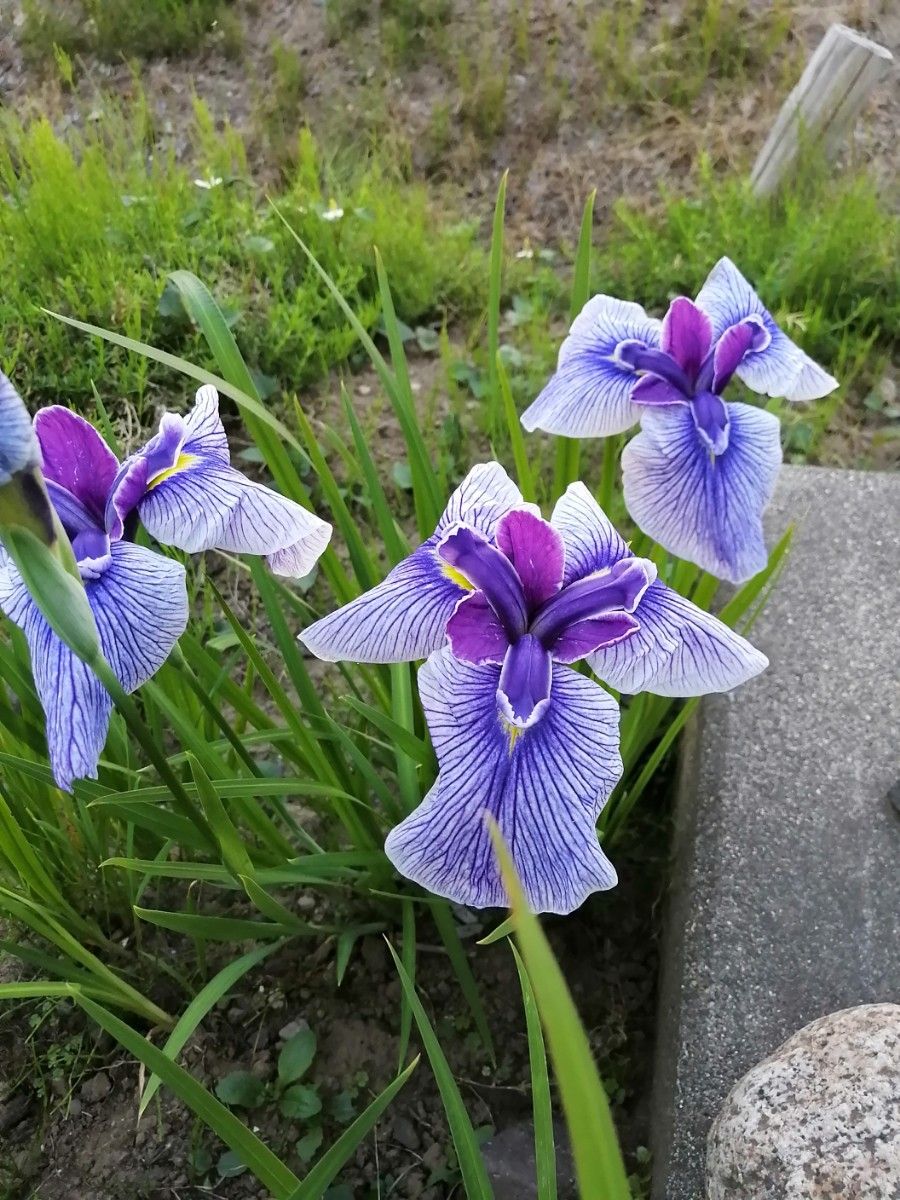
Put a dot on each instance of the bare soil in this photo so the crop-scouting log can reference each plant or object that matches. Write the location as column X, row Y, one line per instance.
column 79, row 1140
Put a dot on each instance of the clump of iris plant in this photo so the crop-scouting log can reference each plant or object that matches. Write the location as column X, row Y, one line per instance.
column 503, row 604
column 183, row 489
column 699, row 474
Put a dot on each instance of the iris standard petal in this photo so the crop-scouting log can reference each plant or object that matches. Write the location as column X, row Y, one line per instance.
column 678, row 650
column 779, row 367
column 686, row 335
column 537, row 552
column 707, row 509
column 589, row 537
column 76, row 458
column 590, row 393
column 406, row 616
column 141, row 609
column 545, row 788
column 18, row 446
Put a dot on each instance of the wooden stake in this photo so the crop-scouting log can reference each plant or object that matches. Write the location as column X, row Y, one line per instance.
column 823, row 107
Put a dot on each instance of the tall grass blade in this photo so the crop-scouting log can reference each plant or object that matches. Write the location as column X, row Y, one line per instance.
column 542, row 1108
column 254, row 1154
column 471, row 1163
column 595, row 1147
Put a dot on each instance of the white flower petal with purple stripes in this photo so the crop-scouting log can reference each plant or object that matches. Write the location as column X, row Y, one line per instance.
column 18, row 445
column 188, row 495
column 776, row 367
column 545, row 791
column 139, row 601
column 706, row 508
column 589, row 394
column 406, row 616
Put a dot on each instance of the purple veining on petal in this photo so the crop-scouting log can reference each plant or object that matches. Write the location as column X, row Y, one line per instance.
column 710, row 413
column 652, row 389
column 136, row 475
column 618, row 588
column 475, row 631
column 686, row 335
column 536, row 551
column 76, row 458
column 582, row 638
column 524, row 689
column 747, row 337
column 19, row 450
column 491, row 572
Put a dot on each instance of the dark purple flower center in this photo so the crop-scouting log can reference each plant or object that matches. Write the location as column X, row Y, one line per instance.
column 520, row 614
column 691, row 367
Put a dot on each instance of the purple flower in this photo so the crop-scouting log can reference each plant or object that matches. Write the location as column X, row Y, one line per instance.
column 699, row 475
column 504, row 603
column 187, row 495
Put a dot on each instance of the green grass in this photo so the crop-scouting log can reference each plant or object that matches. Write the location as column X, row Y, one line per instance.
column 93, row 225
column 642, row 59
column 113, row 28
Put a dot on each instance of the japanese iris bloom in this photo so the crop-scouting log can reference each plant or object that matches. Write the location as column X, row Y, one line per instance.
column 183, row 489
column 700, row 473
column 503, row 603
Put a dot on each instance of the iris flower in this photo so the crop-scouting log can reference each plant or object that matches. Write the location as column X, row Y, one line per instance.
column 181, row 486
column 503, row 604
column 700, row 473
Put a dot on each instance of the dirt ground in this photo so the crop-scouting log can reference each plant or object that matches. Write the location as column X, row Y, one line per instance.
column 561, row 134
column 84, row 1143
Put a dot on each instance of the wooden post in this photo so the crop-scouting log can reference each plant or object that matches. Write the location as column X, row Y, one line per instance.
column 824, row 105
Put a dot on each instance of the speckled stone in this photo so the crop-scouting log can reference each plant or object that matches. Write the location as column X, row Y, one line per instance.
column 817, row 1120
column 785, row 895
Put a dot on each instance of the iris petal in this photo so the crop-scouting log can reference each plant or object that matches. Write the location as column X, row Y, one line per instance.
column 780, row 368
column 591, row 541
column 545, row 788
column 18, row 446
column 536, row 551
column 703, row 508
column 406, row 616
column 201, row 503
column 141, row 609
column 678, row 650
column 686, row 335
column 75, row 457
column 590, row 393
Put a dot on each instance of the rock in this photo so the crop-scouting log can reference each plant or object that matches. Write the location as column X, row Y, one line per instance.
column 785, row 895
column 286, row 1032
column 406, row 1133
column 97, row 1088
column 817, row 1120
column 509, row 1159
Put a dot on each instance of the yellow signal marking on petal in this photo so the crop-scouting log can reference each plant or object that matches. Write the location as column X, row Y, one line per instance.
column 457, row 577
column 181, row 464
column 513, row 732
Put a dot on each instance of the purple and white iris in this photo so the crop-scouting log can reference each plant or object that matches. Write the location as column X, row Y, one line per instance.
column 181, row 486
column 503, row 603
column 700, row 473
